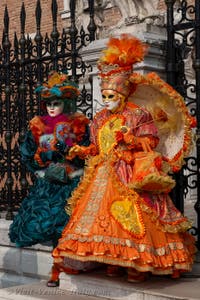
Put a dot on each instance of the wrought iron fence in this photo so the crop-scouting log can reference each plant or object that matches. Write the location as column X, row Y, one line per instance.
column 183, row 73
column 24, row 63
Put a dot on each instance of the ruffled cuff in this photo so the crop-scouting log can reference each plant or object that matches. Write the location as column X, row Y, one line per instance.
column 82, row 151
column 37, row 128
column 140, row 143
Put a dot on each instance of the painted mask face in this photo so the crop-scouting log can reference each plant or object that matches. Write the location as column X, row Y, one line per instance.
column 112, row 100
column 55, row 107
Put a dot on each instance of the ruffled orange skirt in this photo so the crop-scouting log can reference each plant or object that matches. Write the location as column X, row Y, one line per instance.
column 115, row 225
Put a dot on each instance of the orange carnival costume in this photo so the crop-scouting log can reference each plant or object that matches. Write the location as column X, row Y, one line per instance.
column 121, row 213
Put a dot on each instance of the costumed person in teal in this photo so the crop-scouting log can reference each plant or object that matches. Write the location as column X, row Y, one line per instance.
column 42, row 214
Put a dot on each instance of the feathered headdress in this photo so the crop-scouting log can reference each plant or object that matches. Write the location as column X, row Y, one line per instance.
column 116, row 63
column 58, row 86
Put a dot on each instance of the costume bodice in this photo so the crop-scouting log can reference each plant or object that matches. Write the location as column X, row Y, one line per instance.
column 136, row 120
column 106, row 135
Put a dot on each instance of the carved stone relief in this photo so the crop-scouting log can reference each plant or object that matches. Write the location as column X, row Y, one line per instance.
column 131, row 11
column 83, row 15
column 136, row 11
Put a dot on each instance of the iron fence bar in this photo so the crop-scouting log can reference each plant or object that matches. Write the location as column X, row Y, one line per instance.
column 22, row 96
column 177, row 78
column 38, row 40
column 22, row 86
column 171, row 50
column 1, row 128
column 171, row 70
column 197, row 71
column 42, row 59
column 54, row 34
column 73, row 31
column 92, row 26
column 8, row 134
column 184, row 26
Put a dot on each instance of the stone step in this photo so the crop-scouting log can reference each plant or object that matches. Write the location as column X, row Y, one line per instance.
column 10, row 279
column 40, row 292
column 25, row 262
column 157, row 287
column 22, row 271
column 33, row 262
column 96, row 286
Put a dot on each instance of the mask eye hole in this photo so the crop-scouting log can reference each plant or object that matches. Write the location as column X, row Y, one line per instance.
column 110, row 97
column 56, row 104
column 53, row 104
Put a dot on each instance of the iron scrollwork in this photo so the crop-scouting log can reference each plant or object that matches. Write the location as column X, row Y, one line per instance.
column 183, row 73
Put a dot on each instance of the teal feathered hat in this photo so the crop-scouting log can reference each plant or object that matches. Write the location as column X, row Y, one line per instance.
column 58, row 86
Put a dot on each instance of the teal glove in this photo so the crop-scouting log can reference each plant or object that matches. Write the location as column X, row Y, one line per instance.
column 53, row 156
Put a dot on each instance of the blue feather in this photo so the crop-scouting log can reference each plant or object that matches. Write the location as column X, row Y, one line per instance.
column 39, row 89
column 55, row 91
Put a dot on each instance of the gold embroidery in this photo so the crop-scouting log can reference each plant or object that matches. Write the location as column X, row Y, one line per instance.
column 106, row 136
column 140, row 248
column 105, row 256
column 124, row 263
column 126, row 212
column 181, row 225
column 99, row 187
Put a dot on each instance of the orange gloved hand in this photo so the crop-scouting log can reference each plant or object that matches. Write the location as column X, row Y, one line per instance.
column 81, row 151
column 130, row 139
column 119, row 136
column 74, row 151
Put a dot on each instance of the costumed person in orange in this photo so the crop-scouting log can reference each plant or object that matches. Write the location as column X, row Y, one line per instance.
column 121, row 212
column 42, row 216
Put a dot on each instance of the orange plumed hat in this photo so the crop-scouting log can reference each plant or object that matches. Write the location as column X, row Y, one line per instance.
column 116, row 64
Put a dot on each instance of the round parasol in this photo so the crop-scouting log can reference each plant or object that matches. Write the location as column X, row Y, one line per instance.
column 170, row 115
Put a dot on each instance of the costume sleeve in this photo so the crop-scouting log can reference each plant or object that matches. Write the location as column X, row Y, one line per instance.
column 86, row 137
column 86, row 147
column 145, row 125
column 27, row 151
column 93, row 131
column 77, row 161
column 143, row 133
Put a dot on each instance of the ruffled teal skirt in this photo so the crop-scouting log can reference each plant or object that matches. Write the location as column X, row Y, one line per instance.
column 42, row 216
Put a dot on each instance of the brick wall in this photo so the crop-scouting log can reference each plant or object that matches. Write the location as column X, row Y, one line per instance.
column 112, row 17
column 14, row 8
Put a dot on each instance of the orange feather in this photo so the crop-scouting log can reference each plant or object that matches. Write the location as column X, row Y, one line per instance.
column 124, row 51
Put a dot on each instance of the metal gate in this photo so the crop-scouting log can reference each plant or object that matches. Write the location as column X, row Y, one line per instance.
column 183, row 73
column 24, row 63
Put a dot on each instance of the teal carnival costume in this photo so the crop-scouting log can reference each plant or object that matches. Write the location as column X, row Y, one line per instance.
column 42, row 216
